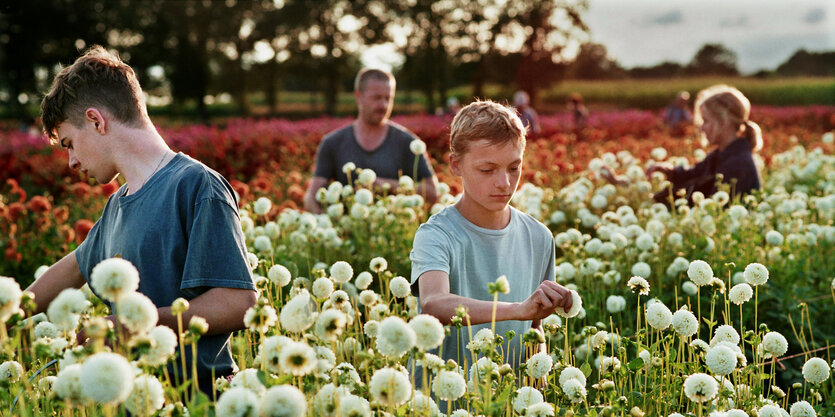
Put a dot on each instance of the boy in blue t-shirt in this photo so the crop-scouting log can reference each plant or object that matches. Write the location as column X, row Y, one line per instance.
column 470, row 244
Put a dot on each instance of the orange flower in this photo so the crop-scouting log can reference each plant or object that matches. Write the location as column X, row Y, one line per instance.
column 109, row 188
column 82, row 228
column 295, row 193
column 80, row 189
column 16, row 211
column 61, row 214
column 67, row 233
column 39, row 204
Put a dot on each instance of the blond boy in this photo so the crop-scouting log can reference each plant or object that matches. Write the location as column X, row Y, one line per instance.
column 468, row 245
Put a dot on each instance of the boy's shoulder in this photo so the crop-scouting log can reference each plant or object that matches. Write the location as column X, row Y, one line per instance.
column 529, row 222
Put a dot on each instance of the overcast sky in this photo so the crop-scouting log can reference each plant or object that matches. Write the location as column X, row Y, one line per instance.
column 763, row 33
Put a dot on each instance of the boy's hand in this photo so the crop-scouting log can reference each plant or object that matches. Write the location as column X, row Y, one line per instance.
column 544, row 301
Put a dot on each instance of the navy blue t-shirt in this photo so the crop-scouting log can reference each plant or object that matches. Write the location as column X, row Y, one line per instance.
column 182, row 231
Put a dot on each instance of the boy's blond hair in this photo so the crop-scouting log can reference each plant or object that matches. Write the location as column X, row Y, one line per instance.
column 485, row 120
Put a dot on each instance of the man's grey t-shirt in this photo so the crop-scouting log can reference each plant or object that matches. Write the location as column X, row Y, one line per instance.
column 182, row 231
column 391, row 159
column 474, row 257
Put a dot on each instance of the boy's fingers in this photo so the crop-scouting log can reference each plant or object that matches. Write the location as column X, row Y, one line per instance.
column 543, row 299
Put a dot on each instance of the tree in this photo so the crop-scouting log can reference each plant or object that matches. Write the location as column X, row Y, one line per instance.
column 809, row 64
column 593, row 63
column 713, row 59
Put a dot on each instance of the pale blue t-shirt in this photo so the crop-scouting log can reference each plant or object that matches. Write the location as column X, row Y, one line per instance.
column 474, row 257
column 182, row 231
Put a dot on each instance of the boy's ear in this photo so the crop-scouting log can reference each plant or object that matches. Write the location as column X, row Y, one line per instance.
column 454, row 165
column 97, row 119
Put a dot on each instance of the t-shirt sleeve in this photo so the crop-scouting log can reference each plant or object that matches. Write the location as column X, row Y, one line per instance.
column 216, row 249
column 551, row 268
column 430, row 252
column 325, row 159
column 88, row 250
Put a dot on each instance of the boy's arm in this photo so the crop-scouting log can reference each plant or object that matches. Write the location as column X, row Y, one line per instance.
column 64, row 274
column 428, row 189
column 310, row 203
column 223, row 308
column 436, row 300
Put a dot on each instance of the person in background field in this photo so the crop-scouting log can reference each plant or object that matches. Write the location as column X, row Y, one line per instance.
column 452, row 106
column 677, row 115
column 722, row 114
column 175, row 219
column 579, row 113
column 371, row 141
column 466, row 246
column 529, row 117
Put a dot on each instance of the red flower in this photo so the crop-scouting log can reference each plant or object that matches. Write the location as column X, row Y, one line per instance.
column 80, row 189
column 82, row 228
column 109, row 188
column 16, row 211
column 39, row 204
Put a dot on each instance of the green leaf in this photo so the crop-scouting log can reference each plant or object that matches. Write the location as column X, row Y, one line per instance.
column 586, row 368
column 636, row 364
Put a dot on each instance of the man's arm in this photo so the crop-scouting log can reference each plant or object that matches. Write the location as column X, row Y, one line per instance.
column 64, row 274
column 428, row 189
column 436, row 300
column 223, row 309
column 310, row 203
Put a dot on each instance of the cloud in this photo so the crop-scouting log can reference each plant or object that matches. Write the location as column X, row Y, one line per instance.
column 670, row 18
column 815, row 15
column 741, row 21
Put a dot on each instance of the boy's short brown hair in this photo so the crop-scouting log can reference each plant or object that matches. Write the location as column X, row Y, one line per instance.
column 98, row 79
column 486, row 120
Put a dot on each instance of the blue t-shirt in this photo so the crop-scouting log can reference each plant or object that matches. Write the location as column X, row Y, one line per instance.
column 181, row 230
column 474, row 257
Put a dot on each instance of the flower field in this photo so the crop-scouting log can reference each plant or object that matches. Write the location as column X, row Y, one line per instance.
column 719, row 308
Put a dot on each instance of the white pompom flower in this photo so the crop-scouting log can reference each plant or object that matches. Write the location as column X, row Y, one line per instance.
column 659, row 316
column 428, row 330
column 774, row 344
column 262, row 206
column 526, row 397
column 449, row 385
column 341, row 272
column 283, row 401
column 137, row 312
column 10, row 295
column 756, row 274
column 740, row 293
column 389, row 387
column 815, row 371
column 279, row 275
column 720, row 359
column 539, row 365
column 395, row 337
column 417, row 146
column 700, row 388
column 297, row 314
column 700, row 273
column 65, row 310
column 237, row 402
column 146, row 397
column 576, row 306
column 685, row 323
column 106, row 378
column 399, row 287
column 114, row 278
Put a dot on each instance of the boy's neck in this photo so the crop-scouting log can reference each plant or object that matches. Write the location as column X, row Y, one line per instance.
column 481, row 217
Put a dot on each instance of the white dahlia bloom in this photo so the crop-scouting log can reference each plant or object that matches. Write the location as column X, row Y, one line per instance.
column 330, row 324
column 64, row 311
column 279, row 275
column 378, row 264
column 685, row 323
column 106, row 378
column 353, row 406
column 526, row 397
column 638, row 284
column 163, row 345
column 297, row 358
column 740, row 293
column 659, row 316
column 615, row 303
column 237, row 402
column 802, row 409
column 576, row 306
column 542, row 409
column 113, row 278
column 342, row 272
column 363, row 280
column 771, row 410
column 297, row 315
column 137, row 312
column 539, row 365
column 283, row 401
column 756, row 274
column 395, row 337
column 248, row 378
column 366, row 176
column 574, row 390
column 720, row 359
column 260, row 318
column 10, row 295
column 571, row 372
column 423, row 405
column 389, row 387
column 725, row 333
column 700, row 273
column 417, row 146
column 449, row 385
column 322, row 287
column 774, row 344
column 146, row 397
column 10, row 372
column 815, row 371
column 45, row 329
column 68, row 384
column 700, row 388
column 399, row 287
column 689, row 288
column 428, row 330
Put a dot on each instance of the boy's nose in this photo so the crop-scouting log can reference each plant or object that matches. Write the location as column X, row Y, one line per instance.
column 74, row 162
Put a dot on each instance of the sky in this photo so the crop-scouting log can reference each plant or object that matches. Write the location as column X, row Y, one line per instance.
column 763, row 33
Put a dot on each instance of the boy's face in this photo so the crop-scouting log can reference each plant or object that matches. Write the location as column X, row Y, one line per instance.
column 87, row 150
column 489, row 173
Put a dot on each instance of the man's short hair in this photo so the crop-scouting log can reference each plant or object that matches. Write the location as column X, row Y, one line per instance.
column 485, row 120
column 367, row 74
column 97, row 79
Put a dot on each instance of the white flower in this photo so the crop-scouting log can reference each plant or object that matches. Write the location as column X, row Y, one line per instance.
column 725, row 333
column 576, row 306
column 574, row 390
column 269, row 351
column 389, row 387
column 566, row 270
column 322, row 287
column 68, row 384
column 615, row 303
column 113, row 278
column 639, row 285
column 802, row 409
column 417, row 146
column 146, row 397
column 659, row 316
column 237, row 402
column 774, row 344
column 422, row 405
column 539, row 365
column 364, row 197
column 571, row 372
column 449, row 386
column 366, row 176
column 641, row 269
column 770, row 410
column 756, row 274
column 10, row 295
column 394, row 337
column 542, row 409
column 262, row 206
column 279, row 275
column 371, row 328
column 330, row 324
column 734, row 412
column 685, row 323
column 106, row 378
column 260, row 318
column 64, row 311
column 248, row 378
column 137, row 312
column 774, row 238
column 368, row 298
column 283, row 401
column 10, row 371
column 252, row 259
column 341, row 272
column 503, row 285
column 700, row 273
column 263, row 244
column 720, row 359
column 378, row 264
column 353, row 406
column 297, row 315
column 45, row 329
column 297, row 358
column 399, row 287
column 700, row 388
column 428, row 330
column 363, row 280
column 526, row 397
column 815, row 371
column 740, row 293
column 163, row 345
column 348, row 168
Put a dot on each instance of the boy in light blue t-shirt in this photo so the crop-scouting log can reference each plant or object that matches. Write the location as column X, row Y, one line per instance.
column 470, row 244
